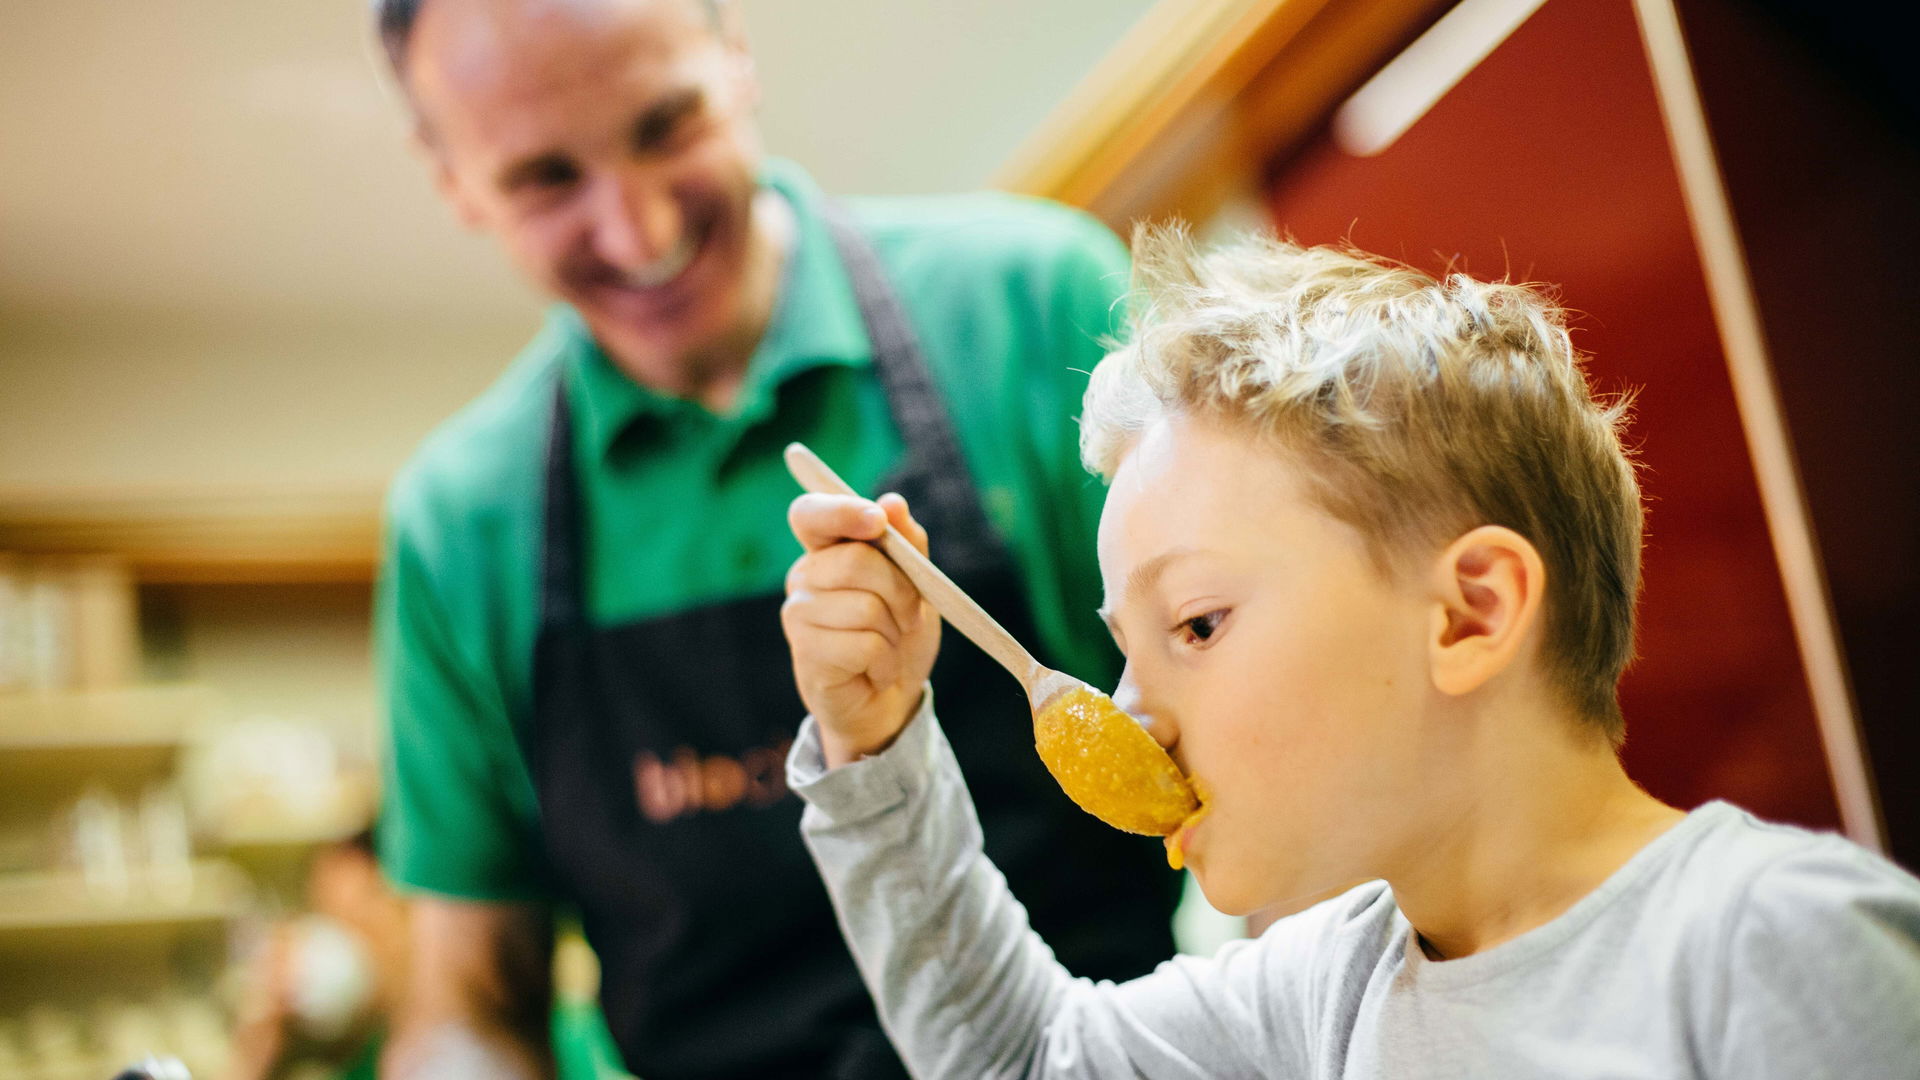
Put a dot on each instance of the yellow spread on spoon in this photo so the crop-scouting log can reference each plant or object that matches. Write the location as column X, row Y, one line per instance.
column 1109, row 765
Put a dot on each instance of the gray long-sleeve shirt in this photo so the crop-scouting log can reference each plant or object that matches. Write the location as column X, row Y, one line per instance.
column 1728, row 947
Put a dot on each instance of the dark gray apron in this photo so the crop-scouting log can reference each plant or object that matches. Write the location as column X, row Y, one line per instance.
column 658, row 756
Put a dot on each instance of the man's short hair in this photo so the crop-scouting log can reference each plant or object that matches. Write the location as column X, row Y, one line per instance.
column 394, row 19
column 1418, row 408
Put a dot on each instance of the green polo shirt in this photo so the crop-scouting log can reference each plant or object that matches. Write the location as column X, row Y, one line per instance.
column 1011, row 299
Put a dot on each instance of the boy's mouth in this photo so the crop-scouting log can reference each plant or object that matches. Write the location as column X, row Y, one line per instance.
column 1178, row 839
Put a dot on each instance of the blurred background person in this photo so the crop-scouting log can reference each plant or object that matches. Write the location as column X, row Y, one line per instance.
column 319, row 987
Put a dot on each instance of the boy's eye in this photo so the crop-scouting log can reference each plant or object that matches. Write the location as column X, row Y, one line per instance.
column 1201, row 628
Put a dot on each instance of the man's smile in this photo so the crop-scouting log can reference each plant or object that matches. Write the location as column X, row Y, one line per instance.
column 665, row 269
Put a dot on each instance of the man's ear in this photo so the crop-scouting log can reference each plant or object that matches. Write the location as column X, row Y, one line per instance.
column 445, row 182
column 733, row 27
column 1489, row 586
column 744, row 76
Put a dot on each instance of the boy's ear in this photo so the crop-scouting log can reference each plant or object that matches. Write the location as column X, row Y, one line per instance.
column 1490, row 584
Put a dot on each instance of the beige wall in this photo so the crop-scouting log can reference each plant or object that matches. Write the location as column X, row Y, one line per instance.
column 124, row 404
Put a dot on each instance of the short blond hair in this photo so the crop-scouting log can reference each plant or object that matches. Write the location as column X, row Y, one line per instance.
column 1419, row 408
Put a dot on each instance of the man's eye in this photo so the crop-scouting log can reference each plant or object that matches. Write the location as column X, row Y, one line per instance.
column 1201, row 628
column 547, row 174
column 655, row 132
column 669, row 125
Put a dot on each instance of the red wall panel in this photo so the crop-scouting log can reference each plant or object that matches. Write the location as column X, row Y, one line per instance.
column 1548, row 163
column 1821, row 156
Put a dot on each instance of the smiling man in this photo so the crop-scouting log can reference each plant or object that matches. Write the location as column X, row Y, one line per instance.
column 588, row 692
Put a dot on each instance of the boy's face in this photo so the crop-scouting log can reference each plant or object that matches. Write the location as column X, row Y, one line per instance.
column 1281, row 668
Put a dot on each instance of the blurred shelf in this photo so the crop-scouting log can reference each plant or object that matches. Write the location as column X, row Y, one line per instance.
column 49, row 902
column 271, row 838
column 91, row 720
column 198, row 538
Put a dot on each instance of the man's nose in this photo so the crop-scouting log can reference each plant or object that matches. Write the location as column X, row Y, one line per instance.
column 1127, row 695
column 636, row 220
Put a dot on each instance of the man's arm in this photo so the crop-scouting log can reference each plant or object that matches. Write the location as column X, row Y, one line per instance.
column 478, row 996
column 458, row 831
column 458, row 813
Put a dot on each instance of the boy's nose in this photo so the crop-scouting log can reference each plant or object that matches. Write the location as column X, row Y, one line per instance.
column 1127, row 695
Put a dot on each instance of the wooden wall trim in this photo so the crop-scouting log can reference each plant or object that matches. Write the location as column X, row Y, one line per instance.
column 1737, row 316
column 1194, row 104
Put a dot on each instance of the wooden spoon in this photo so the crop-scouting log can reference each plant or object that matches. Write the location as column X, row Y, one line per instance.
column 1101, row 757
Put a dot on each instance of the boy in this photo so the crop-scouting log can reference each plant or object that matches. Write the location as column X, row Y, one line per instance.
column 1371, row 549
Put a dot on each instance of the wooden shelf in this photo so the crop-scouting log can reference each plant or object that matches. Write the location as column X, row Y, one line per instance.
column 109, row 720
column 199, row 538
column 244, row 840
column 59, row 901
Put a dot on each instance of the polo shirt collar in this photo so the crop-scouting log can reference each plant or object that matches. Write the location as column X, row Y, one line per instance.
column 816, row 322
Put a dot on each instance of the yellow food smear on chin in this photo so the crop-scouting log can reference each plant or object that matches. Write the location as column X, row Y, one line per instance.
column 1110, row 766
column 1177, row 839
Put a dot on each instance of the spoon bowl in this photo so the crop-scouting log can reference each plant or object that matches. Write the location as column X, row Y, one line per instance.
column 1107, row 763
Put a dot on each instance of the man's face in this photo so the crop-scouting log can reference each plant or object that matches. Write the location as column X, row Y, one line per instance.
column 609, row 145
column 1280, row 667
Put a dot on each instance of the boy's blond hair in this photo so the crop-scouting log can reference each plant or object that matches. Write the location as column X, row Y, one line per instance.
column 1419, row 408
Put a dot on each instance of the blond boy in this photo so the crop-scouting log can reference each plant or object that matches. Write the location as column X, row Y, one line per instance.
column 1371, row 549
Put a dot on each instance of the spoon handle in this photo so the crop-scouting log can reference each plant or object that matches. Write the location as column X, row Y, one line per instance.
column 947, row 598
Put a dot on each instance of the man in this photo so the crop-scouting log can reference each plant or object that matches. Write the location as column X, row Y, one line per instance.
column 578, row 625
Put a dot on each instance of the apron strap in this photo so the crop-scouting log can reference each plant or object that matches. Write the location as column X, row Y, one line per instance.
column 934, row 475
column 562, row 580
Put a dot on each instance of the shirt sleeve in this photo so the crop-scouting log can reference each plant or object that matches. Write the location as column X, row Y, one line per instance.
column 457, row 815
column 1823, row 971
column 966, row 989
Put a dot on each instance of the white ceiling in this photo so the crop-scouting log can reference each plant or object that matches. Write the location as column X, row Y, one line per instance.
column 213, row 159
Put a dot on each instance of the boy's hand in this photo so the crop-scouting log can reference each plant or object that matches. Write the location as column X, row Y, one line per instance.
column 863, row 640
